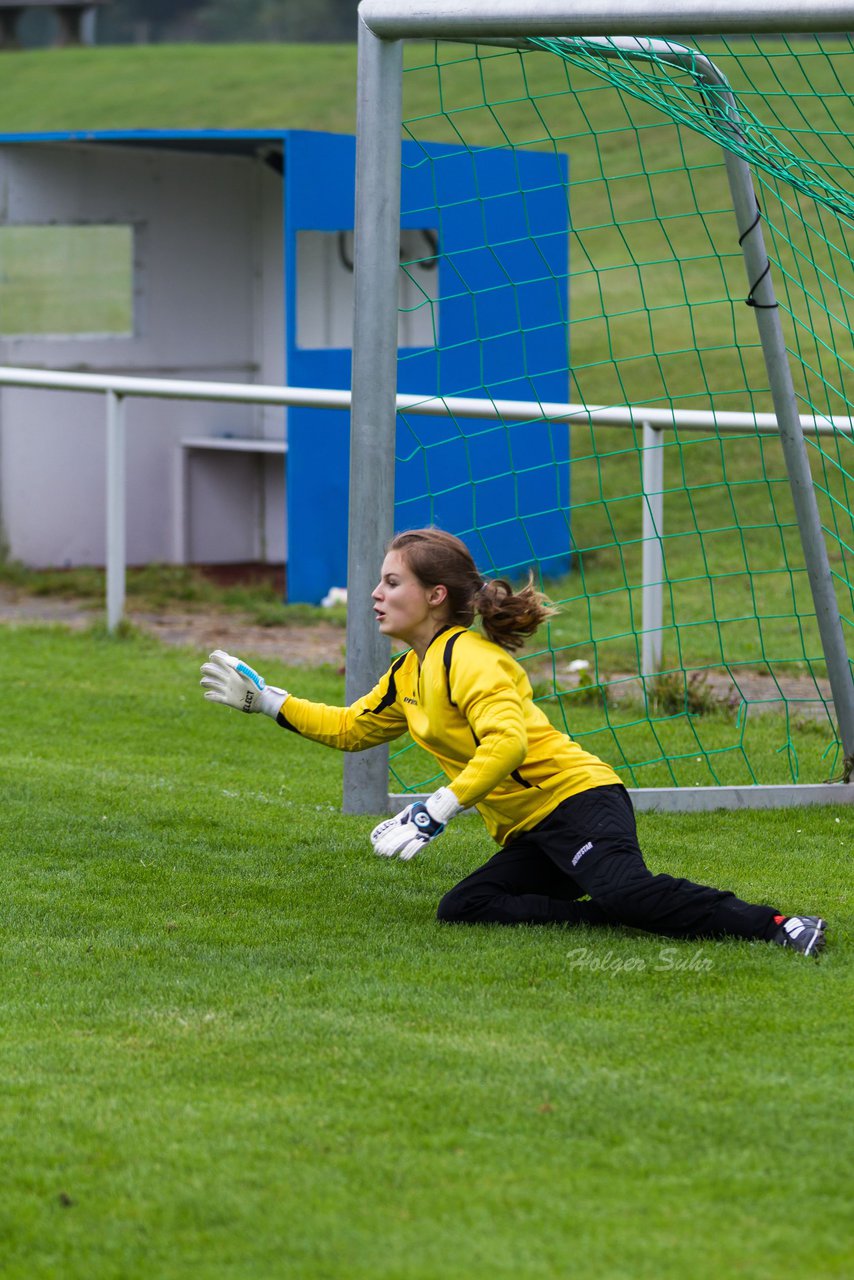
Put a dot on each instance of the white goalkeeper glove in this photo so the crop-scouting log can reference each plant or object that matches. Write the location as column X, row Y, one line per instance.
column 408, row 832
column 227, row 680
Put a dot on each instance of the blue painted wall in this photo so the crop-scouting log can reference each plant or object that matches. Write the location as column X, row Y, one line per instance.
column 503, row 330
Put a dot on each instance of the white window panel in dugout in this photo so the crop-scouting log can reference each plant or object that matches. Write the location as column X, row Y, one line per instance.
column 325, row 289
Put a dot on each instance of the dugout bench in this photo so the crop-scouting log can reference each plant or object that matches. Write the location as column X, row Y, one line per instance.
column 257, row 449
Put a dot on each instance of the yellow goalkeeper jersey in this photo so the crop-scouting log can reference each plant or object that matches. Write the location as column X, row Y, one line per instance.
column 470, row 704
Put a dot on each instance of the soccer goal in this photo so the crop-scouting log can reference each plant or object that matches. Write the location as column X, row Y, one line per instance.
column 687, row 500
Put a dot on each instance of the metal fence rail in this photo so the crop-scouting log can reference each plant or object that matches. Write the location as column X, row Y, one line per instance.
column 652, row 421
column 117, row 388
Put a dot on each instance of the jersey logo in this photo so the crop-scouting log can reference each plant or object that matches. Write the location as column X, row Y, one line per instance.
column 413, row 702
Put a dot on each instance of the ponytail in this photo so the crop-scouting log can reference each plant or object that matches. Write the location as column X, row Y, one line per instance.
column 508, row 617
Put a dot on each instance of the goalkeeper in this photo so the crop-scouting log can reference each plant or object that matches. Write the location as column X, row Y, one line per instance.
column 564, row 822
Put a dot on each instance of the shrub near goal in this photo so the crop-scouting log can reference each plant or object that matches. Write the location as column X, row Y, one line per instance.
column 710, row 516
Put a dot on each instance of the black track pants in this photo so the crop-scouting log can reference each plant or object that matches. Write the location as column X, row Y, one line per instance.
column 589, row 846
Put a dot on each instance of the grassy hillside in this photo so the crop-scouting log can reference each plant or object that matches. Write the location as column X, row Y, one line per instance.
column 180, row 86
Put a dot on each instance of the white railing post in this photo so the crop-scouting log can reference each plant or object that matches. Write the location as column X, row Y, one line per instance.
column 653, row 557
column 116, row 518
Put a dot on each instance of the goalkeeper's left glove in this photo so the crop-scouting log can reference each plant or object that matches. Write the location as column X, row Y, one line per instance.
column 408, row 832
column 234, row 683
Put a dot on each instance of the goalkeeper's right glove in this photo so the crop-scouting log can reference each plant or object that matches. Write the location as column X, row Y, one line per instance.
column 234, row 683
column 408, row 832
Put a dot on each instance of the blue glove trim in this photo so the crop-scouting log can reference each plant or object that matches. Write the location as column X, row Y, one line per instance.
column 420, row 817
column 259, row 681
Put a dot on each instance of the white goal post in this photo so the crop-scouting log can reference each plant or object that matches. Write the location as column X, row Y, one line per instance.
column 383, row 26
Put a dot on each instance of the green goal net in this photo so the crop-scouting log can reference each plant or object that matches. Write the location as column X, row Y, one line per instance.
column 661, row 319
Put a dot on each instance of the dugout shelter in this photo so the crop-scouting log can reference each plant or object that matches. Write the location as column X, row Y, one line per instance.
column 228, row 256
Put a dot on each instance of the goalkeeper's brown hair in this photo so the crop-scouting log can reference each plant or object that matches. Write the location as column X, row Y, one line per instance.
column 508, row 617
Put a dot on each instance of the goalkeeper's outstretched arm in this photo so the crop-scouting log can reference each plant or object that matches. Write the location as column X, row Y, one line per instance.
column 371, row 720
column 233, row 683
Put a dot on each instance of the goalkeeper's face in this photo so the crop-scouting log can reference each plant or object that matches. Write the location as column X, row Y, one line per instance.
column 404, row 607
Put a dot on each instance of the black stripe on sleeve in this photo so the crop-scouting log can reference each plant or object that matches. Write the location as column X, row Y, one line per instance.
column 284, row 722
column 390, row 694
column 446, row 658
column 515, row 775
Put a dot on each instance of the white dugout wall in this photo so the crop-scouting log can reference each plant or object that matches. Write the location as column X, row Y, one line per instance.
column 207, row 281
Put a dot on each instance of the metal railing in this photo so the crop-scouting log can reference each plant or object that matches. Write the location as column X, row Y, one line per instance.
column 117, row 388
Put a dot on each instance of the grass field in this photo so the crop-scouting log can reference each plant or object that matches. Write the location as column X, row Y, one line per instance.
column 237, row 1045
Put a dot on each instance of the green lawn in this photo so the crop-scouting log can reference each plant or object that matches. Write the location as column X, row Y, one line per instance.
column 235, row 1044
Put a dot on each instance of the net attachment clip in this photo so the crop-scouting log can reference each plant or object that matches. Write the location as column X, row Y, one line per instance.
column 750, row 300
